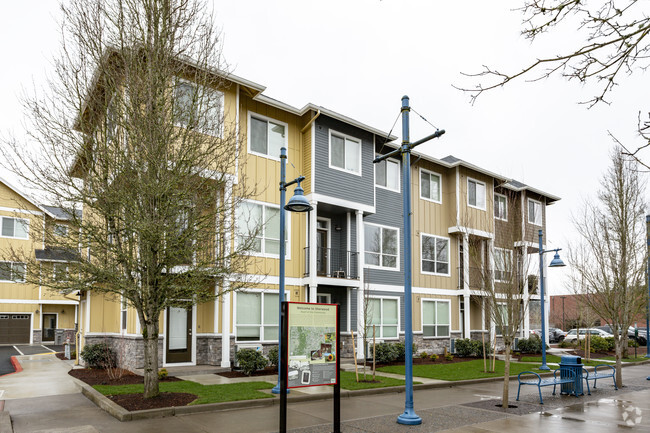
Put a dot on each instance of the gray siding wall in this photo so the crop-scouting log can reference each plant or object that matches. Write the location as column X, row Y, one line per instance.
column 337, row 183
column 339, row 296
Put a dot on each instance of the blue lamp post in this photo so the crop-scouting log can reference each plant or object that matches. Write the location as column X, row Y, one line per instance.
column 409, row 417
column 555, row 263
column 297, row 203
column 647, row 317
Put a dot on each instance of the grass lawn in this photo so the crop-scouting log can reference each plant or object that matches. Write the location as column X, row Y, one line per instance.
column 639, row 358
column 554, row 359
column 459, row 370
column 205, row 393
column 349, row 381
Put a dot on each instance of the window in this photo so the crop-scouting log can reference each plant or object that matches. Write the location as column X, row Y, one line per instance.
column 430, row 186
column 123, row 313
column 503, row 314
column 60, row 230
column 257, row 316
column 345, row 153
column 476, row 194
column 500, row 207
column 384, row 314
column 382, row 246
column 15, row 228
column 191, row 101
column 259, row 225
column 387, row 174
column 266, row 136
column 435, row 318
column 12, row 271
column 60, row 272
column 534, row 212
column 435, row 254
column 502, row 265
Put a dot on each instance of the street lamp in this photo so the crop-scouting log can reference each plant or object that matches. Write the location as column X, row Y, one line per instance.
column 297, row 203
column 555, row 263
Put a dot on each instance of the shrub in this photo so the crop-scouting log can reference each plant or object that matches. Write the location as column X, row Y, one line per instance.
column 599, row 344
column 385, row 353
column 162, row 373
column 434, row 357
column 479, row 348
column 465, row 347
column 530, row 345
column 250, row 360
column 611, row 346
column 424, row 355
column 449, row 357
column 401, row 350
column 632, row 343
column 273, row 356
column 564, row 344
column 98, row 355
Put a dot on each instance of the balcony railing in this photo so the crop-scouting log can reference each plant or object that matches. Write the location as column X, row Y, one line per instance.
column 334, row 263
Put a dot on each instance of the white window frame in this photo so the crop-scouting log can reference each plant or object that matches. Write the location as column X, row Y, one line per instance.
column 266, row 119
column 399, row 177
column 345, row 137
column 541, row 216
column 430, row 173
column 380, row 336
column 264, row 219
column 67, row 272
column 11, row 271
column 505, row 208
column 397, row 261
column 477, row 182
column 25, row 223
column 422, row 271
column 64, row 228
column 503, row 252
column 501, row 305
column 262, row 292
column 207, row 89
column 436, row 302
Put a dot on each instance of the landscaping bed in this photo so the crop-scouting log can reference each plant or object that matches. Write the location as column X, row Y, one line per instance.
column 96, row 376
column 233, row 373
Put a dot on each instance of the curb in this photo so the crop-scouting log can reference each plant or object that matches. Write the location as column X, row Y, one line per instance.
column 17, row 367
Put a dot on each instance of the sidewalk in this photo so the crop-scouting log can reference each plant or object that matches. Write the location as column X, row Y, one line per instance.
column 53, row 406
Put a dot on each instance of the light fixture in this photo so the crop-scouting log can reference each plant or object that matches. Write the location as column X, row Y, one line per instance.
column 37, row 312
column 298, row 203
column 557, row 261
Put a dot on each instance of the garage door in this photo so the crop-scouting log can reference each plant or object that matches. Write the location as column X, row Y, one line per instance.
column 14, row 328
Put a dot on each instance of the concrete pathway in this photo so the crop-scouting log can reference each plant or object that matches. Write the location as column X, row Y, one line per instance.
column 42, row 375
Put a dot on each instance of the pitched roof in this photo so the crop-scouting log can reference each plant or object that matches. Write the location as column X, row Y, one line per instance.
column 50, row 254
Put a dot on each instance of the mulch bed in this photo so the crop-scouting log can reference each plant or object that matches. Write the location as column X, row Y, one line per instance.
column 232, row 374
column 428, row 361
column 165, row 399
column 95, row 376
column 61, row 356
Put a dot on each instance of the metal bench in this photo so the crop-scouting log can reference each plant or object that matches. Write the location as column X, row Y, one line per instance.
column 555, row 380
column 600, row 375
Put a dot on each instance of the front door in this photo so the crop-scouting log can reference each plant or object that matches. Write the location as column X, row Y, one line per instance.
column 322, row 248
column 179, row 334
column 49, row 326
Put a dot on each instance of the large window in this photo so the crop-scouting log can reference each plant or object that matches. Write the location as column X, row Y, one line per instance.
column 382, row 246
column 502, row 265
column 435, row 254
column 12, row 271
column 476, row 193
column 198, row 106
column 15, row 228
column 345, row 153
column 60, row 271
column 387, row 174
column 435, row 318
column 500, row 207
column 60, row 230
column 266, row 136
column 430, row 186
column 384, row 314
column 259, row 225
column 257, row 317
column 534, row 212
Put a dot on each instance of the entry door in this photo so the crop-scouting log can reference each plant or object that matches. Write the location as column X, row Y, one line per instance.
column 179, row 334
column 322, row 248
column 49, row 326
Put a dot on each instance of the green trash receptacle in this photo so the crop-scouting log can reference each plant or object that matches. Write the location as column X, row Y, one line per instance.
column 571, row 363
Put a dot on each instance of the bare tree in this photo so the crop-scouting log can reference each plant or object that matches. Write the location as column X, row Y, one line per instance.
column 132, row 130
column 609, row 262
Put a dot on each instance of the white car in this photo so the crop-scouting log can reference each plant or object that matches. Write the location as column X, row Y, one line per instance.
column 572, row 336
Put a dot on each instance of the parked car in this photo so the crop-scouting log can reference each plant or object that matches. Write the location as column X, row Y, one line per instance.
column 572, row 336
column 630, row 334
column 555, row 335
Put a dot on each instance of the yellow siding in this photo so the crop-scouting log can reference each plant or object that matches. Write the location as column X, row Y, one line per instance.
column 475, row 314
column 471, row 217
column 104, row 313
column 417, row 310
column 65, row 315
column 205, row 318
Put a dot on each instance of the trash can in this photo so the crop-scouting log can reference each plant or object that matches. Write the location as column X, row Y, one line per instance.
column 571, row 363
column 58, row 337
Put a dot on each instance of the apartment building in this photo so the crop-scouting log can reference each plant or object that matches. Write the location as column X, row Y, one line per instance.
column 349, row 248
column 30, row 313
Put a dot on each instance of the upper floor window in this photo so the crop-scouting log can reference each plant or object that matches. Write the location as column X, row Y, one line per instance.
column 476, row 193
column 12, row 271
column 266, row 136
column 500, row 207
column 382, row 246
column 387, row 174
column 60, row 272
column 435, row 318
column 259, row 225
column 502, row 265
column 435, row 254
column 15, row 228
column 384, row 314
column 345, row 153
column 199, row 106
column 534, row 212
column 60, row 230
column 430, row 186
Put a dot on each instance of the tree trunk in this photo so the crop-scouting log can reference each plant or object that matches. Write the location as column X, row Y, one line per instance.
column 150, row 336
column 619, row 355
column 506, row 378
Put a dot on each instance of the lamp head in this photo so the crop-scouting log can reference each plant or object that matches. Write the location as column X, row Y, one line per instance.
column 298, row 203
column 557, row 261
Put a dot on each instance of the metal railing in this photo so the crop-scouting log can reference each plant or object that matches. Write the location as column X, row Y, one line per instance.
column 334, row 263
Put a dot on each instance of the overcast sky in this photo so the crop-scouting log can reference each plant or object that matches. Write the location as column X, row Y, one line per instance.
column 359, row 57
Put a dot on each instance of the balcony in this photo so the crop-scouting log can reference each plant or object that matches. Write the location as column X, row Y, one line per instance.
column 334, row 263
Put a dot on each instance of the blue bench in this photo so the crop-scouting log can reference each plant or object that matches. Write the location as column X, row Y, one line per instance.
column 600, row 375
column 555, row 381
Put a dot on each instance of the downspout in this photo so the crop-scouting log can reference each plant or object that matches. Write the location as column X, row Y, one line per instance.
column 302, row 131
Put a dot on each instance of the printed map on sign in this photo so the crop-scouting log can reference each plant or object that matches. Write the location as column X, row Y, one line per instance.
column 312, row 345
